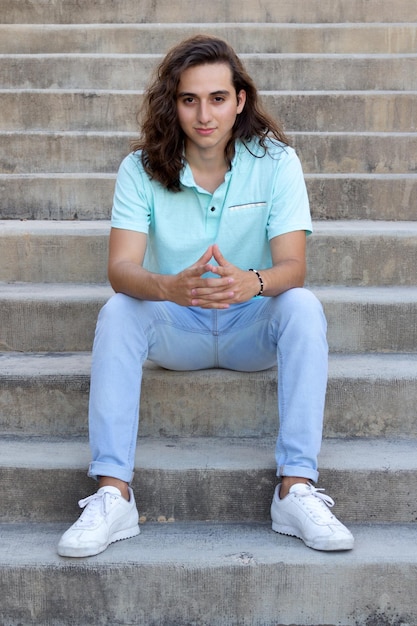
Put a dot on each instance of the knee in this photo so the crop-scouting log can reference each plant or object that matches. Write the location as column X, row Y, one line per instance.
column 115, row 309
column 302, row 307
column 301, row 298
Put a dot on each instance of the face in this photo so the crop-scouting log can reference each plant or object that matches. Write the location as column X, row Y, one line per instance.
column 207, row 106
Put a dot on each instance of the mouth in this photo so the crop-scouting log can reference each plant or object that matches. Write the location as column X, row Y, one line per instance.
column 205, row 131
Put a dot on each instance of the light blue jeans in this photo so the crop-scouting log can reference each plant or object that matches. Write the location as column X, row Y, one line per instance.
column 288, row 330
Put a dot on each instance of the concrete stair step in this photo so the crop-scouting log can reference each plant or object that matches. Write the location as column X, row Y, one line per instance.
column 88, row 196
column 62, row 318
column 208, row 479
column 362, row 196
column 356, row 152
column 79, row 151
column 54, row 251
column 188, row 11
column 351, row 253
column 290, row 71
column 104, row 110
column 209, row 574
column 367, row 253
column 370, row 395
column 342, row 38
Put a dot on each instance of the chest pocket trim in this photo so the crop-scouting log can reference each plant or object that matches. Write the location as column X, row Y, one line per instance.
column 251, row 205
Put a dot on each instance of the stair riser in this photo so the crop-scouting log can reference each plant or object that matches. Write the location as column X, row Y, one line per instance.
column 361, row 261
column 351, row 260
column 103, row 153
column 371, row 327
column 222, row 404
column 206, row 495
column 189, row 11
column 55, row 259
column 38, row 326
column 67, row 325
column 245, row 38
column 285, row 72
column 69, row 197
column 339, row 197
column 220, row 595
column 102, row 110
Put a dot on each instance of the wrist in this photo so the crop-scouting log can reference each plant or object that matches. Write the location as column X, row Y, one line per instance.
column 260, row 282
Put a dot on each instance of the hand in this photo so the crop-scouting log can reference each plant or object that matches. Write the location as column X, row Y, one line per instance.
column 189, row 288
column 240, row 285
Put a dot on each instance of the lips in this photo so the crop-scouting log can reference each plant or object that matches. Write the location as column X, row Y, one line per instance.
column 205, row 131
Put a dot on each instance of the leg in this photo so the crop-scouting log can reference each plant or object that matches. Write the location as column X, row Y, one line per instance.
column 111, row 513
column 302, row 356
column 291, row 330
column 298, row 508
column 128, row 331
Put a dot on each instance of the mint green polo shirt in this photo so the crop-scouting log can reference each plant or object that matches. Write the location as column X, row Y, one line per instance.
column 262, row 196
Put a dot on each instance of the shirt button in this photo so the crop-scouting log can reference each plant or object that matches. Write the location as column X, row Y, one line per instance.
column 213, row 208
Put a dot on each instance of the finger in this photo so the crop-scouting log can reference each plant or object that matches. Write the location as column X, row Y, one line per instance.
column 218, row 255
column 211, row 304
column 211, row 286
column 221, row 271
column 205, row 258
column 207, row 300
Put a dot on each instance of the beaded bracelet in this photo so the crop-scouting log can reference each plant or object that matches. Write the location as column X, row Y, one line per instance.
column 261, row 290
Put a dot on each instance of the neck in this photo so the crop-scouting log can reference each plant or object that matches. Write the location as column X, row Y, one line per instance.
column 206, row 160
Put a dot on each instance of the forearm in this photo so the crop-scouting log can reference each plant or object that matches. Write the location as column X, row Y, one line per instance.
column 283, row 276
column 134, row 280
column 131, row 278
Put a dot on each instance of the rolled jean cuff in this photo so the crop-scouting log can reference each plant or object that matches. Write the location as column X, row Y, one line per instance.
column 97, row 469
column 301, row 472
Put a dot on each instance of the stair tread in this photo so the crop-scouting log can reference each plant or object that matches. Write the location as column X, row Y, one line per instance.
column 366, row 93
column 363, row 366
column 35, row 292
column 123, row 133
column 203, row 544
column 204, row 453
column 359, row 56
column 112, row 176
column 102, row 227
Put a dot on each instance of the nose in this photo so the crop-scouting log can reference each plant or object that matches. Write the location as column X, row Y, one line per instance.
column 204, row 113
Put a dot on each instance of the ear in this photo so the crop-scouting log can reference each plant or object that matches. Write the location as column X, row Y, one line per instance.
column 241, row 100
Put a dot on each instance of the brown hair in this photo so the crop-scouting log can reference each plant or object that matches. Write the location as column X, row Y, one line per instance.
column 162, row 139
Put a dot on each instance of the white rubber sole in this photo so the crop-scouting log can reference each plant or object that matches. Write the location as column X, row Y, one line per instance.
column 326, row 545
column 83, row 551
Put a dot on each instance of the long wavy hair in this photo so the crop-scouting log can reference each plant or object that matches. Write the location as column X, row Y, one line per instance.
column 162, row 139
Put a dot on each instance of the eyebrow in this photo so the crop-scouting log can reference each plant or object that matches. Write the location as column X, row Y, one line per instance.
column 219, row 92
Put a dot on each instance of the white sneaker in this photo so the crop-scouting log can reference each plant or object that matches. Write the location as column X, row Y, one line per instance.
column 107, row 518
column 304, row 513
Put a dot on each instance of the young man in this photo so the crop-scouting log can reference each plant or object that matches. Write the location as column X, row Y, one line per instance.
column 207, row 259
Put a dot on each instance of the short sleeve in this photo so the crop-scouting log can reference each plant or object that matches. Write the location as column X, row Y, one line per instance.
column 290, row 209
column 131, row 202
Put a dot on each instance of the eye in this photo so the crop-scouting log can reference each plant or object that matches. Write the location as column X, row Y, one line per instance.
column 219, row 99
column 188, row 100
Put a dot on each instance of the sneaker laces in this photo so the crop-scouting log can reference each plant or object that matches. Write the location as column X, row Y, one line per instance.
column 317, row 503
column 94, row 506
